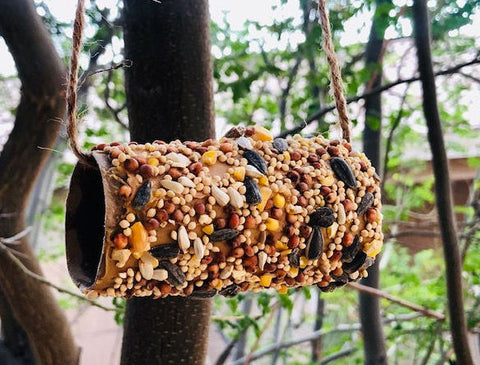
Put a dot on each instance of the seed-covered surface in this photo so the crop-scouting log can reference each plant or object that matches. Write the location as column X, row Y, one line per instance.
column 243, row 213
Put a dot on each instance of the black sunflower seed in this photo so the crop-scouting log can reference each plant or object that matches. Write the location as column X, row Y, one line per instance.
column 176, row 277
column 252, row 193
column 314, row 244
column 280, row 145
column 142, row 196
column 343, row 172
column 230, row 291
column 349, row 253
column 322, row 217
column 165, row 251
column 365, row 203
column 223, row 235
column 340, row 278
column 294, row 258
column 255, row 160
column 355, row 264
column 203, row 293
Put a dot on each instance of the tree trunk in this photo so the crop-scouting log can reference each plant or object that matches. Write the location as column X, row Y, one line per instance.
column 446, row 218
column 38, row 120
column 169, row 96
column 370, row 316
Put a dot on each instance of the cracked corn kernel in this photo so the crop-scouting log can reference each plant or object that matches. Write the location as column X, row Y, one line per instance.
column 152, row 161
column 239, row 173
column 208, row 229
column 286, row 154
column 265, row 280
column 303, row 262
column 372, row 248
column 273, row 225
column 139, row 239
column 279, row 245
column 283, row 289
column 265, row 193
column 209, row 157
column 279, row 200
column 262, row 134
column 293, row 272
column 263, row 180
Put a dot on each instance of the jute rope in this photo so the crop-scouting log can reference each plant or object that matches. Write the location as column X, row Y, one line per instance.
column 72, row 126
column 335, row 74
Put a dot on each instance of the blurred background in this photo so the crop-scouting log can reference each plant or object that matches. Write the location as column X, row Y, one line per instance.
column 269, row 69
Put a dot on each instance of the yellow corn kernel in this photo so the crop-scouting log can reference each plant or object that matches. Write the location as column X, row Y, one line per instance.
column 280, row 246
column 283, row 290
column 279, row 200
column 262, row 134
column 372, row 248
column 139, row 239
column 265, row 192
column 293, row 272
column 208, row 229
column 285, row 252
column 286, row 154
column 209, row 157
column 273, row 225
column 265, row 280
column 303, row 262
column 152, row 161
column 239, row 173
column 263, row 180
column 332, row 230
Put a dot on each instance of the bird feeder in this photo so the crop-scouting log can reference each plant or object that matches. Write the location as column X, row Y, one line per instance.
column 246, row 212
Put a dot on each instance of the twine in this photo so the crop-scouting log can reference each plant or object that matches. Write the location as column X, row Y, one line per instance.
column 72, row 126
column 335, row 74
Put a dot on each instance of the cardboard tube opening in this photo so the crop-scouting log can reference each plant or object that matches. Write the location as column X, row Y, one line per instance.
column 85, row 225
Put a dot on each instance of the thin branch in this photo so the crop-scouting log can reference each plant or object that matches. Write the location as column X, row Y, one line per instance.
column 227, row 351
column 341, row 328
column 338, row 355
column 417, row 308
column 473, row 78
column 106, row 94
column 41, row 279
column 320, row 113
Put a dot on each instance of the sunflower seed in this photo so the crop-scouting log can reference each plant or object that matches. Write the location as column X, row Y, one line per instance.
column 199, row 248
column 174, row 186
column 254, row 159
column 252, row 171
column 235, row 132
column 165, row 251
column 294, row 258
column 252, row 193
column 142, row 196
column 185, row 181
column 225, row 273
column 121, row 256
column 230, row 291
column 349, row 253
column 323, row 217
column 262, row 259
column 236, row 199
column 178, row 160
column 182, row 238
column 365, row 203
column 203, row 294
column 280, row 145
column 314, row 244
column 244, row 143
column 355, row 264
column 340, row 278
column 223, row 235
column 220, row 196
column 343, row 172
column 175, row 275
column 341, row 216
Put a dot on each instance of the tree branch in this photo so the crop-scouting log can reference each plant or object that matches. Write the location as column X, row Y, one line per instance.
column 320, row 113
column 443, row 194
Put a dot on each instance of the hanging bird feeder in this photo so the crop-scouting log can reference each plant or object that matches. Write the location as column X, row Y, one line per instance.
column 246, row 212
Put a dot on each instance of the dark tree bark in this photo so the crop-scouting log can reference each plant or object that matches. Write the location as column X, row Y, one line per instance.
column 169, row 96
column 446, row 218
column 370, row 316
column 38, row 120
